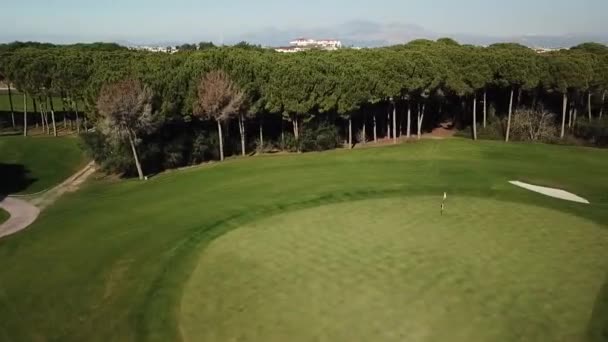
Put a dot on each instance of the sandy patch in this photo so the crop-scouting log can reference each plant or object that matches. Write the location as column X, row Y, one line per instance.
column 551, row 192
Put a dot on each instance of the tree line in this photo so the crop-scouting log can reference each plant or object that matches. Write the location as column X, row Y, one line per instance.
column 168, row 110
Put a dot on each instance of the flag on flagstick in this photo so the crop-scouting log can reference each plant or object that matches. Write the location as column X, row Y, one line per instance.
column 445, row 196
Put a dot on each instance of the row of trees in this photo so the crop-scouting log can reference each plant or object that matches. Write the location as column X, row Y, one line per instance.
column 400, row 88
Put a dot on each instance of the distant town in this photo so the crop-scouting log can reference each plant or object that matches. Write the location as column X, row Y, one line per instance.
column 296, row 45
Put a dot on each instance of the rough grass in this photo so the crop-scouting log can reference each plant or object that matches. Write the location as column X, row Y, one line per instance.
column 395, row 270
column 32, row 164
column 4, row 215
column 110, row 262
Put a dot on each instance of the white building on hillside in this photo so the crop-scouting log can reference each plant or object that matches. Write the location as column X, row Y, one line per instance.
column 325, row 44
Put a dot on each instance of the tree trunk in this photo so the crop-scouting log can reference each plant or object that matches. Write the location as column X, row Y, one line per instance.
column 135, row 157
column 10, row 100
column 35, row 110
column 570, row 115
column 409, row 120
column 364, row 133
column 574, row 115
column 509, row 117
column 564, row 105
column 242, row 132
column 65, row 121
column 24, row 114
column 45, row 116
column 589, row 104
column 261, row 136
column 420, row 119
column 296, row 129
column 394, row 122
column 475, row 117
column 350, row 132
column 54, row 125
column 282, row 132
column 485, row 107
column 375, row 129
column 518, row 98
column 221, row 139
column 602, row 106
column 77, row 119
column 388, row 124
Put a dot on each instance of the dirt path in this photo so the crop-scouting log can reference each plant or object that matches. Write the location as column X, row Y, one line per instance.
column 69, row 185
column 23, row 213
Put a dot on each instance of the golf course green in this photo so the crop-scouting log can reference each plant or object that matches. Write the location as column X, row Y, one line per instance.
column 393, row 269
column 333, row 246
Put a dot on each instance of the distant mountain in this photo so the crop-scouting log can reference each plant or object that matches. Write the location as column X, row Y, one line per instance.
column 362, row 33
column 366, row 33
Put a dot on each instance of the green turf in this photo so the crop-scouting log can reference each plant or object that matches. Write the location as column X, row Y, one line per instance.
column 5, row 105
column 32, row 164
column 111, row 261
column 3, row 215
column 395, row 270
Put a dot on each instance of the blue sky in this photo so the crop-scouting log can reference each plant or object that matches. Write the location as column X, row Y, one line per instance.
column 192, row 20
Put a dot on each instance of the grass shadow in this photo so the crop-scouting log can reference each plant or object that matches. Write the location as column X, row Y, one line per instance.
column 597, row 329
column 14, row 178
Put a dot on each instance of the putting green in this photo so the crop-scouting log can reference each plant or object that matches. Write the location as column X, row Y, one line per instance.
column 394, row 270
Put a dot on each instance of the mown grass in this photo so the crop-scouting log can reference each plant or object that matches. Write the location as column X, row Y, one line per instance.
column 18, row 105
column 394, row 269
column 32, row 164
column 110, row 262
column 4, row 215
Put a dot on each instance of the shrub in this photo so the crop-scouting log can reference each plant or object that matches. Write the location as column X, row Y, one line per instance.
column 289, row 143
column 268, row 146
column 174, row 153
column 113, row 158
column 594, row 132
column 321, row 137
column 361, row 137
column 531, row 125
column 205, row 147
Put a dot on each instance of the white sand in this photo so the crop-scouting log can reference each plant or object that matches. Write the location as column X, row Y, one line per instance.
column 552, row 192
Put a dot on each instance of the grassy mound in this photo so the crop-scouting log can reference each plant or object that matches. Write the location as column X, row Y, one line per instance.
column 29, row 165
column 110, row 262
column 4, row 215
column 395, row 270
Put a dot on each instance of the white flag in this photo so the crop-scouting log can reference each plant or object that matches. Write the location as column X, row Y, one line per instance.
column 445, row 196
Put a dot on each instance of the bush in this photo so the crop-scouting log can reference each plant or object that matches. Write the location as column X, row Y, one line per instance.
column 268, row 146
column 594, row 132
column 494, row 130
column 322, row 137
column 289, row 143
column 205, row 147
column 531, row 125
column 112, row 158
column 174, row 153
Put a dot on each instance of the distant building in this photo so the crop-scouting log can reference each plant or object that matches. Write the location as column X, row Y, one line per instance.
column 164, row 49
column 303, row 44
column 290, row 49
column 545, row 50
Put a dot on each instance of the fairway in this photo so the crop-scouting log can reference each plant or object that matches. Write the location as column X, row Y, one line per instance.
column 36, row 164
column 340, row 245
column 395, row 270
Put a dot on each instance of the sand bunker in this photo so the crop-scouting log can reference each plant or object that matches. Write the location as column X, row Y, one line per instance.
column 556, row 193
